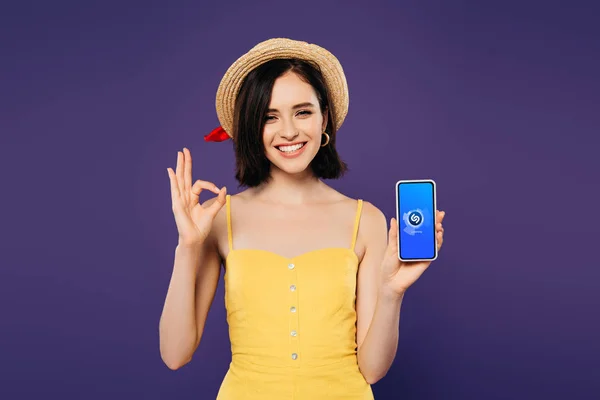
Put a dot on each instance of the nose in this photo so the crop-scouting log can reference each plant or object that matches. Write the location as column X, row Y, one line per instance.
column 288, row 130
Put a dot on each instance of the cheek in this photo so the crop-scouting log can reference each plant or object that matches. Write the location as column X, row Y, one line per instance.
column 312, row 124
column 268, row 129
column 268, row 135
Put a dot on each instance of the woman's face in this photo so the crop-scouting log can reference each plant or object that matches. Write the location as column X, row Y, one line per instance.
column 294, row 125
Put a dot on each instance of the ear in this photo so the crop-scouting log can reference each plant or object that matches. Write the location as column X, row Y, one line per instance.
column 325, row 119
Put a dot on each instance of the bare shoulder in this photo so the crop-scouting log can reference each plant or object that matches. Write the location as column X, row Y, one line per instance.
column 372, row 229
column 373, row 223
column 372, row 219
column 372, row 215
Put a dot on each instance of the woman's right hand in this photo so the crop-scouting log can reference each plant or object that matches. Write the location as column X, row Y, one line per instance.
column 193, row 220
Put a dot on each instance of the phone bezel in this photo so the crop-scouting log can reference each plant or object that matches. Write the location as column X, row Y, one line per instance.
column 434, row 218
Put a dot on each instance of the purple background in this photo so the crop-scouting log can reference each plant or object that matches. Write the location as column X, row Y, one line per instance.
column 499, row 103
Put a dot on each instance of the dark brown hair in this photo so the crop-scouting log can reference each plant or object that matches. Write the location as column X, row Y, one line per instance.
column 252, row 165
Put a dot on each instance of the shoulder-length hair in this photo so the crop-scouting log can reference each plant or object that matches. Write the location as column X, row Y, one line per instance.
column 252, row 102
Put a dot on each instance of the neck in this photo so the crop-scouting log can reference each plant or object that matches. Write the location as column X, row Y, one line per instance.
column 290, row 189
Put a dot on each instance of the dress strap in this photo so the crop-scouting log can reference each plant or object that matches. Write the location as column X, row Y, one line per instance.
column 356, row 222
column 229, row 233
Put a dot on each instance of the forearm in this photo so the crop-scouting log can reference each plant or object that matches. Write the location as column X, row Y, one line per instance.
column 378, row 350
column 177, row 327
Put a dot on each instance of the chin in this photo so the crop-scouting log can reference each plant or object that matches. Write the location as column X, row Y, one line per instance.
column 293, row 170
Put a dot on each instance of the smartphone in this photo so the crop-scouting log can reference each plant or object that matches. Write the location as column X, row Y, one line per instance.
column 415, row 212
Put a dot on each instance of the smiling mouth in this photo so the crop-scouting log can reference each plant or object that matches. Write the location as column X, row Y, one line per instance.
column 290, row 149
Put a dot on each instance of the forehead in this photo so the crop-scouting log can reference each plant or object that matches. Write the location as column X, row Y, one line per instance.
column 290, row 89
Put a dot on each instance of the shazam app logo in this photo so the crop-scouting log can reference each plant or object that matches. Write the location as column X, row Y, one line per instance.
column 413, row 220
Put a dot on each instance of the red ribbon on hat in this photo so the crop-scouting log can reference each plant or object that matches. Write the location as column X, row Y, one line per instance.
column 217, row 135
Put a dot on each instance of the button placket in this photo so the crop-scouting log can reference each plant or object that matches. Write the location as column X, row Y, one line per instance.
column 293, row 331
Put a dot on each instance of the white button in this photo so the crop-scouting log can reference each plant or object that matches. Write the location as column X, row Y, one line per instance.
column 293, row 288
column 294, row 333
column 293, row 309
column 294, row 356
column 291, row 266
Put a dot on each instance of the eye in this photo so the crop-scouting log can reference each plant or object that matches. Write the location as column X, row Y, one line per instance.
column 304, row 112
column 269, row 117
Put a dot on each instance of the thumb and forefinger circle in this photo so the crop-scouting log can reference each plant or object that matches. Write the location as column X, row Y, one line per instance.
column 199, row 185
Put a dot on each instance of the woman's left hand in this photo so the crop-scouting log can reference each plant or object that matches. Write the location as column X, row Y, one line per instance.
column 398, row 276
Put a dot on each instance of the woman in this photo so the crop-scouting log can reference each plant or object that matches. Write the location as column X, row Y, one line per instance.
column 313, row 284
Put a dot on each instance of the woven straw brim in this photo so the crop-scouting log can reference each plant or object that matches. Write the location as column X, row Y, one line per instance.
column 282, row 48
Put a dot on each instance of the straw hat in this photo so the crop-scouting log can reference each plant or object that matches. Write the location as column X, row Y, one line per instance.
column 268, row 50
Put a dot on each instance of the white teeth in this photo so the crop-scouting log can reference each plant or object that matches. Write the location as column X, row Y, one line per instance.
column 289, row 149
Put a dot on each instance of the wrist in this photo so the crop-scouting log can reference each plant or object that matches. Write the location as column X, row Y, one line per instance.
column 188, row 251
column 389, row 295
column 189, row 245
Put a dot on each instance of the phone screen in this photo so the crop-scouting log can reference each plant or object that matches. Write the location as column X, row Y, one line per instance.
column 416, row 205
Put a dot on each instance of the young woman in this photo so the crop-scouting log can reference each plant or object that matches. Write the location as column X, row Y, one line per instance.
column 313, row 284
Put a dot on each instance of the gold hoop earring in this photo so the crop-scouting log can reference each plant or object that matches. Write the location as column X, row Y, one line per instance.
column 327, row 142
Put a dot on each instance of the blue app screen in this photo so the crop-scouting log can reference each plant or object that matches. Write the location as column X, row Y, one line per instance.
column 416, row 220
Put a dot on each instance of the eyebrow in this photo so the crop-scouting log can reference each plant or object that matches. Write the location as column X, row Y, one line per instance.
column 306, row 104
